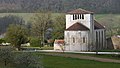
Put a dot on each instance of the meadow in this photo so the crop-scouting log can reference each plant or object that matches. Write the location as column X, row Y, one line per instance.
column 26, row 16
column 63, row 62
column 99, row 17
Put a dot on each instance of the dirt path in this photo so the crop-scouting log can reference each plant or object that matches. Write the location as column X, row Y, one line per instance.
column 83, row 57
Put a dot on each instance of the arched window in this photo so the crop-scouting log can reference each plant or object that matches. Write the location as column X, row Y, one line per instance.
column 73, row 17
column 83, row 39
column 78, row 16
column 73, row 40
column 82, row 16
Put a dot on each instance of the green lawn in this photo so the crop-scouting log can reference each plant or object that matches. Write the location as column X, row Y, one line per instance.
column 61, row 62
column 103, row 56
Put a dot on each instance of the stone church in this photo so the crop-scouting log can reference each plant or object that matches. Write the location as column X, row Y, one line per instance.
column 83, row 32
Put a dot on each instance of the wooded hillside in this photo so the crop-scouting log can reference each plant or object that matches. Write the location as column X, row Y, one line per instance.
column 97, row 6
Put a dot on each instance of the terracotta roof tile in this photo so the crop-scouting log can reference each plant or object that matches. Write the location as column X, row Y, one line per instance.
column 79, row 11
column 59, row 41
column 76, row 27
column 97, row 25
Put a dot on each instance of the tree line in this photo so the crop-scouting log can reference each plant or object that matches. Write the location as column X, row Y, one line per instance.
column 41, row 29
column 97, row 6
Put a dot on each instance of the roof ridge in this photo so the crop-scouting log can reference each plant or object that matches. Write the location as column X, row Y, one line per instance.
column 80, row 11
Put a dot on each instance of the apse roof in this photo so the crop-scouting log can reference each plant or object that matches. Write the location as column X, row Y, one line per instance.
column 77, row 26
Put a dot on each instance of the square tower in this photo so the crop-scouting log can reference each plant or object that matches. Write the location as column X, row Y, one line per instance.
column 82, row 16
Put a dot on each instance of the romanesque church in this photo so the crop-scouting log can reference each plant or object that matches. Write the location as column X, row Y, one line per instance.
column 83, row 32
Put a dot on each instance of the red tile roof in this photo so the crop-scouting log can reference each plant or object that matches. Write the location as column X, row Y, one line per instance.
column 79, row 11
column 97, row 25
column 76, row 27
column 59, row 41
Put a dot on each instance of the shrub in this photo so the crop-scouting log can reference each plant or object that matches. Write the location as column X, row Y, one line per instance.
column 27, row 60
column 6, row 54
column 2, row 40
column 35, row 42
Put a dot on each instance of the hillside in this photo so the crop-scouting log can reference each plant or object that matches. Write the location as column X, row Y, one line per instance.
column 98, row 6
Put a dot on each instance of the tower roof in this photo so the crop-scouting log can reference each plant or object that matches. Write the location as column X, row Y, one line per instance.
column 97, row 25
column 80, row 11
column 76, row 27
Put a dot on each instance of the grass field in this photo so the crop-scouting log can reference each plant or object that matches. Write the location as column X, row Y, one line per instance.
column 61, row 62
column 117, row 57
column 27, row 16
